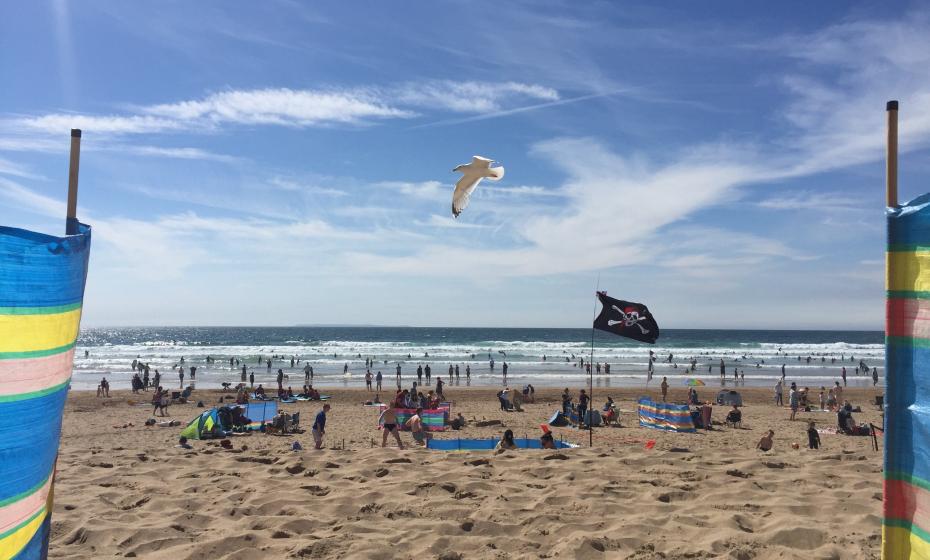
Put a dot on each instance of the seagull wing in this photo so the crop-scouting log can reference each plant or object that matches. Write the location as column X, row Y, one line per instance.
column 496, row 173
column 463, row 190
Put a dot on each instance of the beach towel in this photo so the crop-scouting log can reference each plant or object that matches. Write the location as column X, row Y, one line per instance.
column 906, row 519
column 41, row 297
column 665, row 416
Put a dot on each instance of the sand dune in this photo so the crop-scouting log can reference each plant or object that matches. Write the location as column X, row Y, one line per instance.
column 127, row 492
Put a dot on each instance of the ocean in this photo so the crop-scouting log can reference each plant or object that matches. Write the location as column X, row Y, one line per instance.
column 542, row 357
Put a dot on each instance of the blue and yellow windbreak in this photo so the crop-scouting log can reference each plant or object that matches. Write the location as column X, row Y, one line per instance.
column 41, row 293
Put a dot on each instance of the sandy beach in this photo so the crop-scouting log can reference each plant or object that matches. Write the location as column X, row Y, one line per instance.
column 130, row 492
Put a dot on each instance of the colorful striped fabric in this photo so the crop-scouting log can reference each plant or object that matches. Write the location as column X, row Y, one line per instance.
column 665, row 416
column 434, row 420
column 41, row 293
column 906, row 523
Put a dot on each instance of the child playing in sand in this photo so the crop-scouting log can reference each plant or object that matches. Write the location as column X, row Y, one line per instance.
column 765, row 444
column 813, row 438
column 416, row 427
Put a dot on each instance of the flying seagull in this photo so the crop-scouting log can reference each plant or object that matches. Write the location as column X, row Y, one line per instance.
column 472, row 174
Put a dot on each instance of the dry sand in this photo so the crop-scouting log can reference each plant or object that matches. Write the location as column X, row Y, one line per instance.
column 128, row 492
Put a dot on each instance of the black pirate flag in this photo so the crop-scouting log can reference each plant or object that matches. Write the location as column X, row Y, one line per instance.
column 632, row 320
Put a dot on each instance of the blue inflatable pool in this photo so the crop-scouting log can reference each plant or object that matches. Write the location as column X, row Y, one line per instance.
column 487, row 444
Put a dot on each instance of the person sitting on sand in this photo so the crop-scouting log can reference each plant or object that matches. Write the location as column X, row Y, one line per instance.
column 290, row 393
column 458, row 422
column 766, row 443
column 389, row 421
column 506, row 442
column 735, row 416
column 415, row 424
column 610, row 412
column 505, row 402
column 547, row 441
column 260, row 392
column 242, row 396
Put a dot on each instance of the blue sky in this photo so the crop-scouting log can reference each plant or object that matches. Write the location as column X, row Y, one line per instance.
column 274, row 163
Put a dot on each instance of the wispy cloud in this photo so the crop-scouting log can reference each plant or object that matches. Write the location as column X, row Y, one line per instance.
column 812, row 201
column 298, row 107
column 303, row 187
column 8, row 167
column 469, row 96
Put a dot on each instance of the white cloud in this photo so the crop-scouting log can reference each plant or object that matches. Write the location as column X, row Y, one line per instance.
column 297, row 186
column 177, row 153
column 468, row 96
column 61, row 123
column 13, row 169
column 282, row 106
column 426, row 190
column 813, row 201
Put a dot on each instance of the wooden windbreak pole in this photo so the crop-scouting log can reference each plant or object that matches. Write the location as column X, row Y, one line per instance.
column 891, row 159
column 71, row 221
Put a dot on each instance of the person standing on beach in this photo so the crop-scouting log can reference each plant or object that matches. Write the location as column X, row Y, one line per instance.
column 467, row 373
column 664, row 387
column 368, row 380
column 492, row 363
column 450, row 373
column 504, row 369
column 251, row 378
column 723, row 368
column 420, row 374
column 874, row 376
column 307, row 373
column 398, row 376
column 582, row 406
column 378, row 380
column 779, row 397
column 181, row 375
column 244, row 373
column 280, row 379
column 389, row 423
column 429, row 373
column 456, row 372
column 319, row 427
column 793, row 400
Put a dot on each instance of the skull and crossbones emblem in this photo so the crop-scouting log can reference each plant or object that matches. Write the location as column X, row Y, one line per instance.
column 628, row 319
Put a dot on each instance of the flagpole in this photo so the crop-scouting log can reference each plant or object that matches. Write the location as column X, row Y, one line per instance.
column 597, row 287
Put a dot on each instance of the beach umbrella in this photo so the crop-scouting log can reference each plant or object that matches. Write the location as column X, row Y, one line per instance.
column 695, row 383
column 472, row 174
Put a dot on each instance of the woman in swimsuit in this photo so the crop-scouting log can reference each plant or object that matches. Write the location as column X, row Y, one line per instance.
column 389, row 418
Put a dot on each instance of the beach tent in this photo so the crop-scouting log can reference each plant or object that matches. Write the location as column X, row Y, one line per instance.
column 729, row 398
column 260, row 412
column 665, row 416
column 558, row 419
column 41, row 296
column 206, row 425
column 434, row 420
